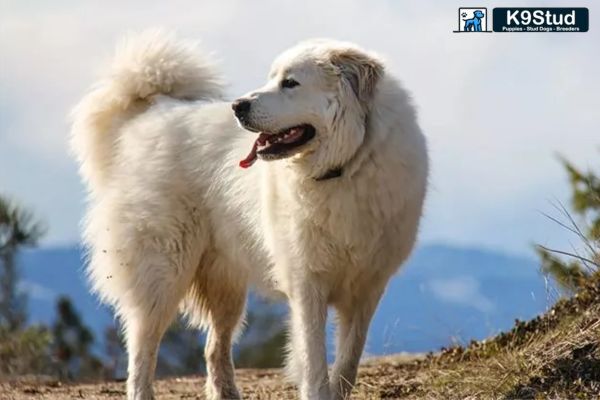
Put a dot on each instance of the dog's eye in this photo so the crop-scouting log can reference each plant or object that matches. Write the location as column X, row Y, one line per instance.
column 289, row 83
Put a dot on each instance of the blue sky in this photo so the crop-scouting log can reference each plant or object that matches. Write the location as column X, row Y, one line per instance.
column 496, row 108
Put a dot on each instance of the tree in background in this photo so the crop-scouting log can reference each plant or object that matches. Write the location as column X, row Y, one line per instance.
column 22, row 350
column 18, row 229
column 71, row 344
column 573, row 271
column 181, row 350
column 114, row 349
column 266, row 341
column 25, row 351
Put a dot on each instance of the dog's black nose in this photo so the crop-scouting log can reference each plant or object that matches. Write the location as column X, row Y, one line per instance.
column 241, row 107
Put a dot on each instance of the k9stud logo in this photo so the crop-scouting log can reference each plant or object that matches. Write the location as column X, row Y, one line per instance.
column 523, row 19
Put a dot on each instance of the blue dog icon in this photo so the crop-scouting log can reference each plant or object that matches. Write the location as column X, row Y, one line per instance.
column 474, row 24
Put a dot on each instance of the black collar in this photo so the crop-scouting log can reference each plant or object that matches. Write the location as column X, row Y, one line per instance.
column 332, row 173
column 337, row 172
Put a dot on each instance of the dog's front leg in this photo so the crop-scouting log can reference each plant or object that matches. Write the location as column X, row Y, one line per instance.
column 354, row 315
column 308, row 306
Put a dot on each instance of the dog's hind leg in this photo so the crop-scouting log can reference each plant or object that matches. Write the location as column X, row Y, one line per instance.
column 147, row 310
column 353, row 319
column 144, row 331
column 145, row 271
column 216, row 301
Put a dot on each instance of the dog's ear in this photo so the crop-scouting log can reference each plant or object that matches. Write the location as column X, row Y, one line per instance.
column 360, row 70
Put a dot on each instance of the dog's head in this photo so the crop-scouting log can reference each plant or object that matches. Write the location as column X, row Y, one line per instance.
column 478, row 14
column 313, row 106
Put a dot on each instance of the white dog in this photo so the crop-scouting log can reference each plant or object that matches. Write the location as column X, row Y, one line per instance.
column 325, row 218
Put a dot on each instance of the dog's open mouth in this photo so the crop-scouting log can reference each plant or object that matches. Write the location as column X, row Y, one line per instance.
column 271, row 146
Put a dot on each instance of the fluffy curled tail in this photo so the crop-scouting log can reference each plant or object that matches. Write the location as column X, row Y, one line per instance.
column 146, row 64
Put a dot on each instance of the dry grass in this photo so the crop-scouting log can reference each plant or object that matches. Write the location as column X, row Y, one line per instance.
column 556, row 355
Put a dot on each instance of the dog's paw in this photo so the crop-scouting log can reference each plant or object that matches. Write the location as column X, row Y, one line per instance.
column 225, row 393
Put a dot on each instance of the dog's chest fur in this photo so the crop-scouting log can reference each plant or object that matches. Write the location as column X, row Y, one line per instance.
column 336, row 228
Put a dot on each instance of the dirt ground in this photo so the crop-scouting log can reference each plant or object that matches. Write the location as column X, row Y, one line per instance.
column 378, row 379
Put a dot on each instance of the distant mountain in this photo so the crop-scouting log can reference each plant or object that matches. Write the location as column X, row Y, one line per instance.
column 442, row 295
column 447, row 294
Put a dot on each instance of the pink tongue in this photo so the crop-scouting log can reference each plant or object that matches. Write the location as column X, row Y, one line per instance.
column 250, row 158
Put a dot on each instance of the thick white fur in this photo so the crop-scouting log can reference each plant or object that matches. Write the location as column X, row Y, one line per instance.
column 173, row 222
